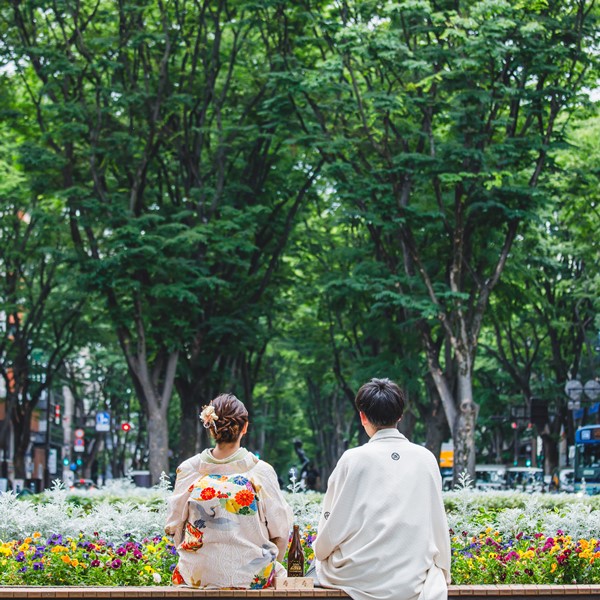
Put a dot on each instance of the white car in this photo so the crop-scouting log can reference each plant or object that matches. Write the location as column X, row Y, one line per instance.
column 525, row 479
column 490, row 477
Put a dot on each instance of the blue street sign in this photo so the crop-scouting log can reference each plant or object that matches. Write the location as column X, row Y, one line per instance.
column 102, row 421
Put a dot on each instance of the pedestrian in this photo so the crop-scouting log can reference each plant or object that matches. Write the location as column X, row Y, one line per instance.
column 383, row 532
column 227, row 515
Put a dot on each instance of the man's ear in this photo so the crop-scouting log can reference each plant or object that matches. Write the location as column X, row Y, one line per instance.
column 363, row 418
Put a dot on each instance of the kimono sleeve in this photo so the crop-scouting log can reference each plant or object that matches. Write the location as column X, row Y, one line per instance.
column 276, row 511
column 177, row 503
column 440, row 530
column 335, row 524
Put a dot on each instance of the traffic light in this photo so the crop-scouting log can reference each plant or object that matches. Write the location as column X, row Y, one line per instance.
column 126, row 426
column 514, row 424
column 79, row 462
column 66, row 461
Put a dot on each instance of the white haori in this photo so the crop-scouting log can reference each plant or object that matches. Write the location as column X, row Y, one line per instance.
column 383, row 532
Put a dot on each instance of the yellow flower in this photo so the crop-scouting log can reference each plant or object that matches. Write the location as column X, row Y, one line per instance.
column 24, row 547
column 37, row 535
column 148, row 569
column 65, row 559
column 74, row 562
column 553, row 568
column 27, row 540
column 6, row 551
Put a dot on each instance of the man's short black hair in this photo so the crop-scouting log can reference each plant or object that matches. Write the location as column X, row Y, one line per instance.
column 382, row 401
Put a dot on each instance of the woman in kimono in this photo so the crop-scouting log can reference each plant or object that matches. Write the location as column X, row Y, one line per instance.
column 227, row 515
column 383, row 533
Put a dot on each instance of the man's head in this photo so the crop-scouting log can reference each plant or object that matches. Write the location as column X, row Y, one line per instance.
column 381, row 401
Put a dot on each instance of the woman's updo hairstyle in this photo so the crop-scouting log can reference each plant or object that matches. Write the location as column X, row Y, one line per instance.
column 231, row 416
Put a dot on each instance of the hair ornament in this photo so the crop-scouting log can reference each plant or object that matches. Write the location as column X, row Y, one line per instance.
column 209, row 416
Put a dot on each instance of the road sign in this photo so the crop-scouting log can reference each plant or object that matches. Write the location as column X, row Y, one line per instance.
column 102, row 421
column 574, row 389
column 79, row 445
column 592, row 389
column 79, row 433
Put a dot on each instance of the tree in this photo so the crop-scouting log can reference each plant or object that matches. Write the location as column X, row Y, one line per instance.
column 39, row 307
column 178, row 181
column 436, row 123
column 545, row 310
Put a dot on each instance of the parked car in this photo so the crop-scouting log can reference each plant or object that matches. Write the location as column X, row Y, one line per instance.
column 490, row 477
column 526, row 479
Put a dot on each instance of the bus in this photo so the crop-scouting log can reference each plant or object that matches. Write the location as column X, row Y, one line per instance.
column 587, row 459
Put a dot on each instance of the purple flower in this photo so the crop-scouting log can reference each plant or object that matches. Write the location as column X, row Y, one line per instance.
column 95, row 563
column 38, row 566
column 20, row 557
column 172, row 567
column 137, row 554
column 115, row 564
column 23, row 570
column 121, row 551
column 55, row 539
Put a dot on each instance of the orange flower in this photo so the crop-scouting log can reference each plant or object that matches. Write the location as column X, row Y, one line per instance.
column 244, row 498
column 208, row 493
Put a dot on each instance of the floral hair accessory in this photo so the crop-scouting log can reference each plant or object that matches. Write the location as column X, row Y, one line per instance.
column 209, row 416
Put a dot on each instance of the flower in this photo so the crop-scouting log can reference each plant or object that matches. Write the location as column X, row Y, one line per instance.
column 209, row 416
column 244, row 498
column 208, row 493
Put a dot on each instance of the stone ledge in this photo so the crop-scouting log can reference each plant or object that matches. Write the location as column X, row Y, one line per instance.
column 471, row 592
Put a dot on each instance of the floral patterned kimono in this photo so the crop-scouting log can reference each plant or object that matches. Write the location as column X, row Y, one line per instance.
column 229, row 521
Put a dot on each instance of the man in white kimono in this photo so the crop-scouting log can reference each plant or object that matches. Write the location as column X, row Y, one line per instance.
column 383, row 533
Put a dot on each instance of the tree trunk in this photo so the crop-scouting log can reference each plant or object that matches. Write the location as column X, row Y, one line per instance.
column 158, row 445
column 21, row 419
column 154, row 388
column 464, row 427
column 188, row 427
column 436, row 423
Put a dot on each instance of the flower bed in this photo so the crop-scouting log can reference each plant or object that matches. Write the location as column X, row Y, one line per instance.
column 82, row 561
column 113, row 537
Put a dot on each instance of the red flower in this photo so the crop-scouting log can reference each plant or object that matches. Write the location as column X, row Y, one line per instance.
column 208, row 493
column 244, row 498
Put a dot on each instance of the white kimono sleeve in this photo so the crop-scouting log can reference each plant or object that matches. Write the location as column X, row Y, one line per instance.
column 177, row 503
column 276, row 511
column 336, row 522
column 440, row 533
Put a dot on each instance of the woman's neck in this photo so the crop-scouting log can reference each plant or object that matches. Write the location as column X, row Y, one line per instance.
column 222, row 451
